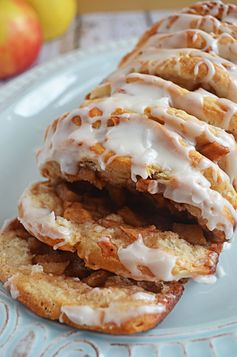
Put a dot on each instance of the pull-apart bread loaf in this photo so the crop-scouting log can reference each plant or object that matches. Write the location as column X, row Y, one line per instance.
column 141, row 182
column 156, row 124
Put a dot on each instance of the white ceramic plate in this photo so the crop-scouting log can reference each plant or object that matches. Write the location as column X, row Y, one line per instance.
column 204, row 323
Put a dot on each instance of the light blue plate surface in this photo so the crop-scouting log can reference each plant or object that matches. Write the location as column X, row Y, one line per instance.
column 204, row 323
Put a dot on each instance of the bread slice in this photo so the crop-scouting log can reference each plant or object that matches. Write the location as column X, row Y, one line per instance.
column 57, row 286
column 200, row 104
column 218, row 9
column 118, row 239
column 186, row 21
column 189, row 68
column 219, row 44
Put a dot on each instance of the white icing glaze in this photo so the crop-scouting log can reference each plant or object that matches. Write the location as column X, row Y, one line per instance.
column 83, row 315
column 226, row 49
column 144, row 296
column 155, row 58
column 153, row 145
column 214, row 8
column 217, row 8
column 211, row 279
column 158, row 94
column 60, row 319
column 227, row 12
column 9, row 284
column 153, row 88
column 205, row 279
column 41, row 221
column 116, row 315
column 90, row 316
column 213, row 258
column 136, row 255
column 220, row 272
column 180, row 22
column 59, row 245
column 104, row 239
column 191, row 102
column 226, row 246
column 231, row 19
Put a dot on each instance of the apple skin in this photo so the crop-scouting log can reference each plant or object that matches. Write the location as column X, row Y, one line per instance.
column 20, row 37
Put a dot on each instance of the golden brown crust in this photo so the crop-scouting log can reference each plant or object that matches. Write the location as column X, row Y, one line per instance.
column 203, row 22
column 218, row 9
column 45, row 289
column 220, row 45
column 211, row 109
column 188, row 70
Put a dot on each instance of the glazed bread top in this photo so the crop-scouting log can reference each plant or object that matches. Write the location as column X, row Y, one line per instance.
column 161, row 122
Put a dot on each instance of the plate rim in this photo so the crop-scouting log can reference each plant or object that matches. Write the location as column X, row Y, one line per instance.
column 9, row 90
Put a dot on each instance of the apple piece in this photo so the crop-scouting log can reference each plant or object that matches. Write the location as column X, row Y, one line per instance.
column 20, row 37
column 55, row 16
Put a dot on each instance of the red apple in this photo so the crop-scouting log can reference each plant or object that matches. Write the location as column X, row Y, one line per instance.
column 20, row 37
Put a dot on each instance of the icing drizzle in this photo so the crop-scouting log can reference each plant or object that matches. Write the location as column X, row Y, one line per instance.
column 87, row 315
column 152, row 145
